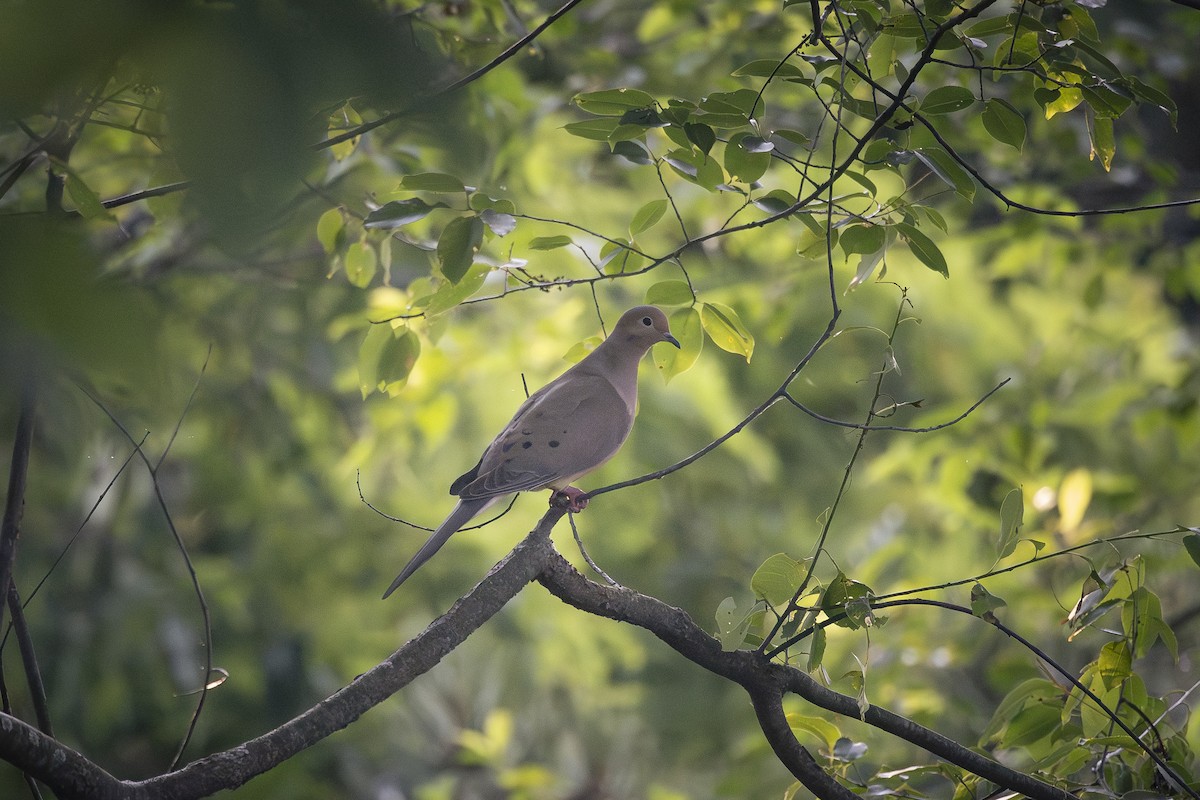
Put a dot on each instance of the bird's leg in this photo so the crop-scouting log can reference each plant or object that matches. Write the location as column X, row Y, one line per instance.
column 570, row 498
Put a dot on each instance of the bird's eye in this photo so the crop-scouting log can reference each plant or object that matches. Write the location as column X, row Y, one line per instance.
column 647, row 321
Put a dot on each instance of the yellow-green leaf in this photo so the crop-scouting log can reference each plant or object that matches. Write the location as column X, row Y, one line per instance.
column 669, row 293
column 685, row 325
column 361, row 264
column 647, row 216
column 725, row 328
column 331, row 230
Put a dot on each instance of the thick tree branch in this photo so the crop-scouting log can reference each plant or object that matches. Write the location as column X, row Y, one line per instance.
column 752, row 671
column 73, row 776
column 768, row 707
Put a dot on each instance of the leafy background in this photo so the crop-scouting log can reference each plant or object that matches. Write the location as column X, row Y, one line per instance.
column 260, row 283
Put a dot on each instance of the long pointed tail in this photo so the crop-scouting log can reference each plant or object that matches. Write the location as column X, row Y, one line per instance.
column 461, row 514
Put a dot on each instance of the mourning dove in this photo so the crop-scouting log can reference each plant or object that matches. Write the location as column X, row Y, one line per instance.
column 566, row 429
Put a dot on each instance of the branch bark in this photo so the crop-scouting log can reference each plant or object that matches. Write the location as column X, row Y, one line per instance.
column 71, row 775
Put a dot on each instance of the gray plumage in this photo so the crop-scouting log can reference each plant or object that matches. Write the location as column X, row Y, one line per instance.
column 566, row 429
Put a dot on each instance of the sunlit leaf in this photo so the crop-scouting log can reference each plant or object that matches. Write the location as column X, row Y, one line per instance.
column 613, row 102
column 647, row 216
column 726, row 330
column 1074, row 496
column 361, row 264
column 1012, row 516
column 597, row 130
column 768, row 67
column 826, row 732
column 669, row 293
column 331, row 230
column 549, row 242
column 1104, row 144
column 432, row 182
column 450, row 295
column 777, row 579
column 686, row 327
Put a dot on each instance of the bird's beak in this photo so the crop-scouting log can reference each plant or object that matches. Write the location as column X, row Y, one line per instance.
column 669, row 338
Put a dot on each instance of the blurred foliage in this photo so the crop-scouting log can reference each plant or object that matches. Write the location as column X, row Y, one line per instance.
column 314, row 292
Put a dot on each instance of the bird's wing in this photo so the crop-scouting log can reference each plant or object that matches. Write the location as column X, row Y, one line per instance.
column 564, row 431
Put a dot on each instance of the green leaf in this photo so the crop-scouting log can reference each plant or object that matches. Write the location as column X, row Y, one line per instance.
column 342, row 121
column 1191, row 543
column 826, row 732
column 86, row 201
column 386, row 358
column 669, row 293
column 777, row 579
column 1115, row 663
column 766, row 68
column 457, row 246
column 597, row 130
column 731, row 625
column 331, row 229
column 1004, row 123
column 1104, row 144
column 549, row 242
column 1105, row 102
column 816, row 649
column 700, row 135
column 1031, row 724
column 1147, row 93
column 726, row 330
column 361, row 264
column 399, row 212
column 984, row 603
column 695, row 167
column 946, row 100
column 432, row 182
column 1059, row 101
column 1012, row 516
column 940, row 163
column 923, row 248
column 743, row 163
column 617, row 257
column 613, row 102
column 862, row 239
column 450, row 295
column 686, row 326
column 647, row 216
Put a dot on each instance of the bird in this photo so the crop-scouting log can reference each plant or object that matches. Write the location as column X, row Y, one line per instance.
column 566, row 429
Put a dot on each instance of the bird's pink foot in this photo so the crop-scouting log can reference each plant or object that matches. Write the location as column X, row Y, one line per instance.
column 570, row 498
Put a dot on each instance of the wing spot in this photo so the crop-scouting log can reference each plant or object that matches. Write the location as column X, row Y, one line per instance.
column 527, row 445
column 506, row 447
column 554, row 443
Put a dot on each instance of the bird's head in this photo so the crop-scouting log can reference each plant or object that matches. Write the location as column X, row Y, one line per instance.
column 644, row 327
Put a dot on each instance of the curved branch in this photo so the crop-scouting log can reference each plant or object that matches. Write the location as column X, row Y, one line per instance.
column 767, row 700
column 71, row 775
column 753, row 671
